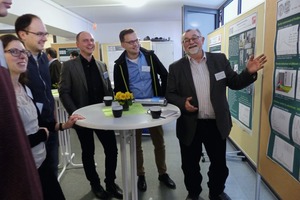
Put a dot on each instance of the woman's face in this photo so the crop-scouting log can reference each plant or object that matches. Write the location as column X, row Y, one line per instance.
column 16, row 57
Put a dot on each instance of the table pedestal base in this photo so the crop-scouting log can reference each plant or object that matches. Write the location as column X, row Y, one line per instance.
column 66, row 155
column 128, row 136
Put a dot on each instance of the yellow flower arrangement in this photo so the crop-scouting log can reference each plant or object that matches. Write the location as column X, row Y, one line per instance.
column 122, row 98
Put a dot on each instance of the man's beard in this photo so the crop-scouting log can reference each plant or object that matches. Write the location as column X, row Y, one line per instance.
column 193, row 51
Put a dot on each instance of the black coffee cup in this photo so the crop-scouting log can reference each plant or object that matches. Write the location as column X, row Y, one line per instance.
column 107, row 100
column 117, row 111
column 155, row 112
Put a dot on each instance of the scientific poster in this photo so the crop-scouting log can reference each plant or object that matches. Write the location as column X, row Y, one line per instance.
column 284, row 114
column 242, row 37
column 64, row 53
column 215, row 44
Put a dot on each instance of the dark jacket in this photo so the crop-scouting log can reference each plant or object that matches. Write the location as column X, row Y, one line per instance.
column 121, row 76
column 40, row 85
column 73, row 89
column 181, row 85
column 55, row 68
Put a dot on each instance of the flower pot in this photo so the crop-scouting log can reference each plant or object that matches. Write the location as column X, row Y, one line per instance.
column 126, row 106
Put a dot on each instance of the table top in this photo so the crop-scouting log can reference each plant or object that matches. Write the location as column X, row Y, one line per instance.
column 96, row 118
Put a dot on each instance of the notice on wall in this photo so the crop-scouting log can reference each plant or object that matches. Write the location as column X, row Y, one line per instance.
column 113, row 53
column 242, row 37
column 215, row 44
column 284, row 114
column 64, row 53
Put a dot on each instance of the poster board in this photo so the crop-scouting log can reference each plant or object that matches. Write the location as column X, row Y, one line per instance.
column 216, row 41
column 247, row 140
column 64, row 49
column 285, row 185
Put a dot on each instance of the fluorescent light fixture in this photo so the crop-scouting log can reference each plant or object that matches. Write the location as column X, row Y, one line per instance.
column 134, row 3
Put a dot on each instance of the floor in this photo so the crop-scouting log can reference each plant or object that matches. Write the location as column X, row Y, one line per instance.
column 240, row 185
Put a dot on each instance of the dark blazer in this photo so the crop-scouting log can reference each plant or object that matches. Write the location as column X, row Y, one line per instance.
column 73, row 90
column 181, row 85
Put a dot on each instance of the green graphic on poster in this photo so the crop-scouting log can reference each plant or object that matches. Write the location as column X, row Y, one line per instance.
column 241, row 47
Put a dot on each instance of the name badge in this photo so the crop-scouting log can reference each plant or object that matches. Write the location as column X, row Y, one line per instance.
column 219, row 76
column 145, row 68
column 105, row 75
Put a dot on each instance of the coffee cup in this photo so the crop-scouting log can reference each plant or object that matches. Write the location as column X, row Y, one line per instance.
column 117, row 111
column 155, row 112
column 107, row 100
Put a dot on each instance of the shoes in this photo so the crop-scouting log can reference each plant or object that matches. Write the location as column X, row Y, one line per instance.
column 222, row 196
column 190, row 197
column 100, row 192
column 114, row 190
column 142, row 185
column 167, row 181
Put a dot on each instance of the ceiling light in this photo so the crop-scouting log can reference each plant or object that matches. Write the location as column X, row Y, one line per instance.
column 134, row 3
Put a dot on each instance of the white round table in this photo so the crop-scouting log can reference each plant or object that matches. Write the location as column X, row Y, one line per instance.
column 95, row 118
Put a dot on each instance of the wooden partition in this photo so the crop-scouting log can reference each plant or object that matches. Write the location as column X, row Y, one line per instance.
column 255, row 145
column 278, row 178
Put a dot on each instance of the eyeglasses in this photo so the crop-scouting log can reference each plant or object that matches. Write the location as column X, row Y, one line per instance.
column 16, row 52
column 39, row 34
column 193, row 39
column 132, row 42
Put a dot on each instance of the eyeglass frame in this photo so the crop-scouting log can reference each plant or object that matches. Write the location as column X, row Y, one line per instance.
column 195, row 38
column 132, row 42
column 39, row 34
column 18, row 52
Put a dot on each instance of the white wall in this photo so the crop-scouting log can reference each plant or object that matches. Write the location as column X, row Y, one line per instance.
column 230, row 12
column 109, row 33
column 248, row 5
column 59, row 20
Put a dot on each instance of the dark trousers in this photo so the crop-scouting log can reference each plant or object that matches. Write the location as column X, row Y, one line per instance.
column 52, row 152
column 50, row 184
column 108, row 141
column 208, row 134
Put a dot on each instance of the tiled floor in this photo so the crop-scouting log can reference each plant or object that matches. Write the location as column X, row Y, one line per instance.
column 240, row 185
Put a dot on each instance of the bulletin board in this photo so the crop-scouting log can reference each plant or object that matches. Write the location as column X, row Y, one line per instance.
column 64, row 47
column 280, row 180
column 246, row 140
column 216, row 41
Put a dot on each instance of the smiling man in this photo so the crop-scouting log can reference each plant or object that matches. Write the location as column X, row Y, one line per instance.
column 84, row 81
column 33, row 33
column 140, row 71
column 197, row 85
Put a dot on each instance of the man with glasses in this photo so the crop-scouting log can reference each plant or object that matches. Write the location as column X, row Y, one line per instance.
column 33, row 33
column 136, row 71
column 197, row 85
column 19, row 176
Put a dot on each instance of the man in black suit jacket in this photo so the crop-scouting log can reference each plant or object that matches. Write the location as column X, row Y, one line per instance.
column 54, row 67
column 197, row 85
column 84, row 81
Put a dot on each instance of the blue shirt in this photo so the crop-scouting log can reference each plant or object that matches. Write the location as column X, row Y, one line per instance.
column 140, row 81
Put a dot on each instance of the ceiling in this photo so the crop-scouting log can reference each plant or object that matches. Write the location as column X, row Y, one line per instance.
column 114, row 11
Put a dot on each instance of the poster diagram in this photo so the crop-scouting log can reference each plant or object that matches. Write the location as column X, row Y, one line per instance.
column 215, row 44
column 284, row 116
column 285, row 81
